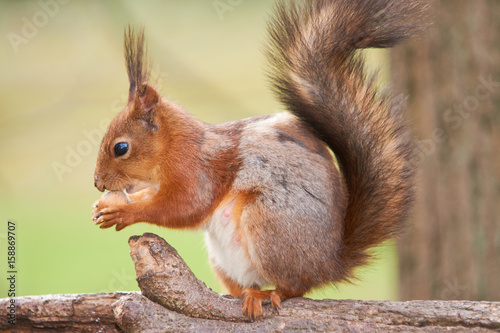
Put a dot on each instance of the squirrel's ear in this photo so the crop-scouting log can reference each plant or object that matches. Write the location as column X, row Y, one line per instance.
column 148, row 97
column 145, row 102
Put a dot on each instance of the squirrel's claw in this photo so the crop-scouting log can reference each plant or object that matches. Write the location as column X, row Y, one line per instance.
column 111, row 216
column 252, row 301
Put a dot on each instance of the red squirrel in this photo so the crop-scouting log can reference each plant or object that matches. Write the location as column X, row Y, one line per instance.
column 275, row 207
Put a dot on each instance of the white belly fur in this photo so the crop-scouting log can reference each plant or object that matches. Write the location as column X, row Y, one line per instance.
column 225, row 250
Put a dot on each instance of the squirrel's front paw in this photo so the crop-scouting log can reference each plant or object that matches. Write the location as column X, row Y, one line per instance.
column 110, row 210
column 111, row 216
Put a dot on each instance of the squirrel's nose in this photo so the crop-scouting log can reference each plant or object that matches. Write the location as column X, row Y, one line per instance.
column 100, row 187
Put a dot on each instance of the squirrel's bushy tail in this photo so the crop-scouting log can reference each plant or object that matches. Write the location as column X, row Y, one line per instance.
column 319, row 76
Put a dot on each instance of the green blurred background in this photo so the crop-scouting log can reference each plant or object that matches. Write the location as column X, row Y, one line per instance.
column 62, row 78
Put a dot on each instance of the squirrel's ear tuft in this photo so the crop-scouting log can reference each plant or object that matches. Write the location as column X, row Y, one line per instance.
column 135, row 59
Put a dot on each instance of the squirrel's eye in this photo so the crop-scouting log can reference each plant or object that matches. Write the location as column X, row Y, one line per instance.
column 121, row 148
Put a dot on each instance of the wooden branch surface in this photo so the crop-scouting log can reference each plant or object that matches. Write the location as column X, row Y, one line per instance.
column 173, row 299
column 63, row 313
column 187, row 304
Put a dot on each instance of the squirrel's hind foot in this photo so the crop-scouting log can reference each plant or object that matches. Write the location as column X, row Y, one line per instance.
column 252, row 301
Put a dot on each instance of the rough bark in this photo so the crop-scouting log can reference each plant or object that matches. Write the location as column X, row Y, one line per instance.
column 172, row 292
column 63, row 313
column 136, row 313
column 453, row 81
column 173, row 299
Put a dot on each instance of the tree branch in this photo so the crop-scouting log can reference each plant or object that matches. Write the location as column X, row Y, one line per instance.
column 166, row 280
column 76, row 313
column 174, row 300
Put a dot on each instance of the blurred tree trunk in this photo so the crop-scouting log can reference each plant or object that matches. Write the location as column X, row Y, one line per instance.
column 452, row 75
